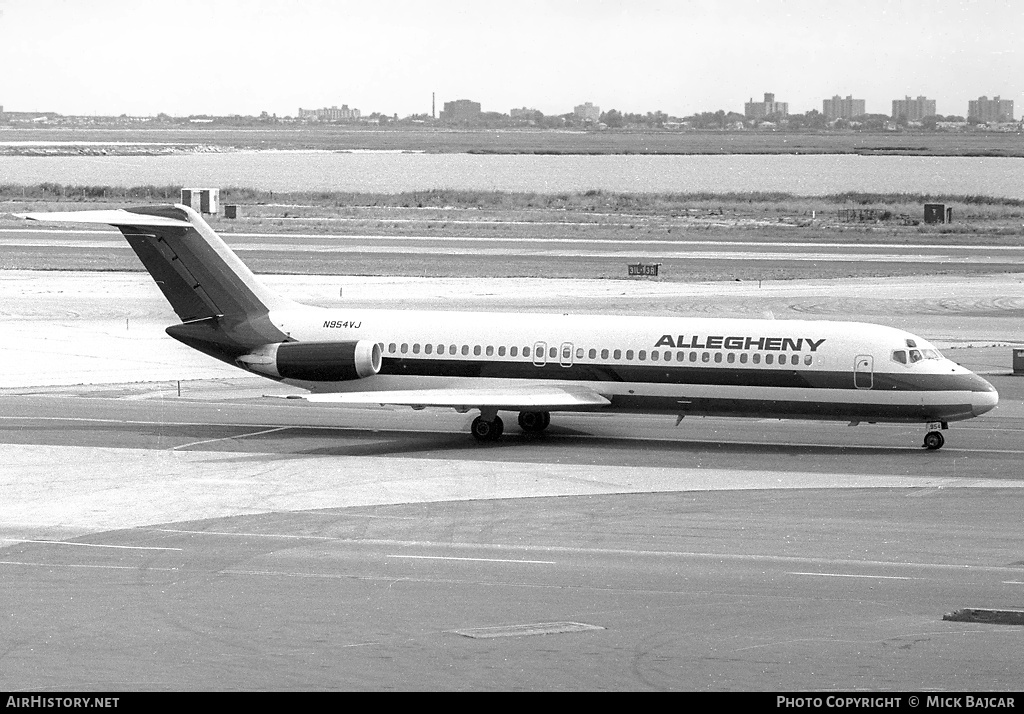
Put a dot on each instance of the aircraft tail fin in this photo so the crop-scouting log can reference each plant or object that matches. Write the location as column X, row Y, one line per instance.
column 200, row 276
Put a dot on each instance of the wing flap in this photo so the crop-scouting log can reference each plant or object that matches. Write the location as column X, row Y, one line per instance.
column 538, row 399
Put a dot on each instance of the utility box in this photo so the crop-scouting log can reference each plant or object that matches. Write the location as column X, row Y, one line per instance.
column 1018, row 361
column 937, row 213
column 202, row 200
column 230, row 210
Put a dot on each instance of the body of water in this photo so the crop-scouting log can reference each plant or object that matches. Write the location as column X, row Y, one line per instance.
column 397, row 172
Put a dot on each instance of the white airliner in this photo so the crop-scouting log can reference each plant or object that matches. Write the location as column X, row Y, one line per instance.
column 537, row 364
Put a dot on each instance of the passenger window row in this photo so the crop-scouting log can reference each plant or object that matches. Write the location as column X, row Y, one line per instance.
column 666, row 356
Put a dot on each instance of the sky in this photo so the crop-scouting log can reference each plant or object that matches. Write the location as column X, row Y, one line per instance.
column 224, row 57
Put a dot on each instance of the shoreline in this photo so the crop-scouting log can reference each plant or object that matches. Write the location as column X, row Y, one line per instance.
column 113, row 150
column 972, row 143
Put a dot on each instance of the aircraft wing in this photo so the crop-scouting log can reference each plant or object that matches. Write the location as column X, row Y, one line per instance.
column 462, row 400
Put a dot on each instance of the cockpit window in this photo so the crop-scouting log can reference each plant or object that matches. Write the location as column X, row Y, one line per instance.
column 911, row 343
column 899, row 356
column 931, row 354
column 915, row 355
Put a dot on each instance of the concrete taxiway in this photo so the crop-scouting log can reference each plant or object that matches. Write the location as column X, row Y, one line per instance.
column 220, row 539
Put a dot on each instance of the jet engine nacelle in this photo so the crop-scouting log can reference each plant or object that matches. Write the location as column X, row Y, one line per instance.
column 315, row 361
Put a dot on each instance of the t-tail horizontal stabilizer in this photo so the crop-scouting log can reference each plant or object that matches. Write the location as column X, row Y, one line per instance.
column 197, row 272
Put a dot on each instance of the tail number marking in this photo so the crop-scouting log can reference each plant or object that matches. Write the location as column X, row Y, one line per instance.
column 352, row 324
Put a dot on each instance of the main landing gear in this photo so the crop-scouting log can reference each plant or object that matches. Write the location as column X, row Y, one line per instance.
column 934, row 440
column 488, row 427
column 534, row 422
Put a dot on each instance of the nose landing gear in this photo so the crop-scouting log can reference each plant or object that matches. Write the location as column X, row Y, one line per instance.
column 934, row 440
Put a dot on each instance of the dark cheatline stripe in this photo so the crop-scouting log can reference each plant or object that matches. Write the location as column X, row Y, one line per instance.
column 683, row 375
column 785, row 409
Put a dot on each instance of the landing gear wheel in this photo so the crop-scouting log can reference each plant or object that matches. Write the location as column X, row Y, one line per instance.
column 534, row 422
column 934, row 440
column 484, row 430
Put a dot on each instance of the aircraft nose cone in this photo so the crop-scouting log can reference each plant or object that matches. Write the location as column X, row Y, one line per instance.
column 984, row 401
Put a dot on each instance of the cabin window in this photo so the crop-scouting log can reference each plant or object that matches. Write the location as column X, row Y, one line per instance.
column 490, row 350
column 756, row 358
column 731, row 358
column 553, row 352
column 465, row 349
column 769, row 359
column 526, row 352
column 476, row 350
column 705, row 357
column 416, row 348
column 579, row 353
column 718, row 356
column 915, row 355
column 629, row 354
column 604, row 354
column 513, row 351
column 642, row 356
column 501, row 351
column 452, row 349
column 693, row 356
column 427, row 349
column 440, row 349
column 392, row 347
column 680, row 356
column 899, row 356
column 743, row 358
column 654, row 356
column 618, row 354
column 405, row 347
column 808, row 359
column 592, row 354
column 782, row 359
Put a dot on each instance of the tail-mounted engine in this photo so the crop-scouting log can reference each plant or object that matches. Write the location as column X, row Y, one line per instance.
column 315, row 361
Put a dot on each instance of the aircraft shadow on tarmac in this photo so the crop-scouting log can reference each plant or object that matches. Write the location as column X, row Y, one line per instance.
column 304, row 442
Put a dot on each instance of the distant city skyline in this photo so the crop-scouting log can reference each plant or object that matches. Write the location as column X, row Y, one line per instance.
column 223, row 57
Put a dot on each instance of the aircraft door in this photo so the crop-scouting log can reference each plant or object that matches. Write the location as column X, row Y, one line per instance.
column 565, row 354
column 863, row 372
column 540, row 354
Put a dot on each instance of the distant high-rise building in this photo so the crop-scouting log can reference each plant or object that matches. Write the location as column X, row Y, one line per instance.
column 913, row 109
column 986, row 110
column 330, row 114
column 839, row 108
column 587, row 112
column 524, row 113
column 757, row 110
column 460, row 110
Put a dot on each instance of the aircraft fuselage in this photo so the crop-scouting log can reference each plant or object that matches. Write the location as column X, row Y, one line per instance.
column 699, row 366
